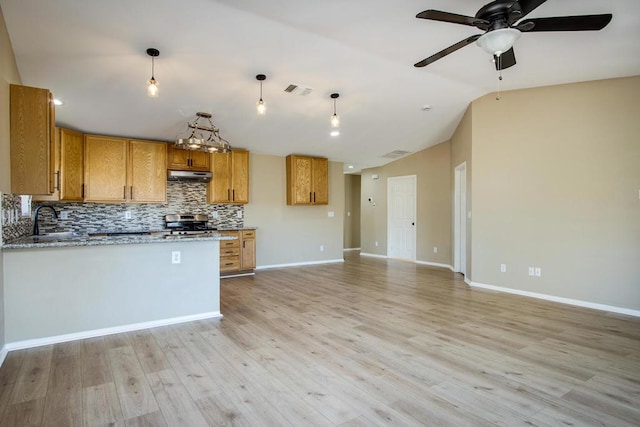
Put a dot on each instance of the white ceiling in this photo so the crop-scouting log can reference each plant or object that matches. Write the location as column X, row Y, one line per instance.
column 91, row 55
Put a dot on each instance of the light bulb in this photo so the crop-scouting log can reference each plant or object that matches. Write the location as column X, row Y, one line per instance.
column 335, row 121
column 261, row 108
column 152, row 88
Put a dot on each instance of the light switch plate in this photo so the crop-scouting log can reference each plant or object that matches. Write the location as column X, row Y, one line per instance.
column 331, row 214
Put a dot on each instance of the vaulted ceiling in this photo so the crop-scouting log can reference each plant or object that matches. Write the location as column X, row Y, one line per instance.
column 91, row 55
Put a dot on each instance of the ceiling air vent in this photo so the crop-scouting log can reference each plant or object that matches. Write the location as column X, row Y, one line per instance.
column 395, row 154
column 298, row 90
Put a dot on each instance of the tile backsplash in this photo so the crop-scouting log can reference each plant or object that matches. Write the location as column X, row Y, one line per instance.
column 182, row 197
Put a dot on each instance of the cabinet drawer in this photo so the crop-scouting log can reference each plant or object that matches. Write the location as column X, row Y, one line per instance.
column 248, row 234
column 229, row 244
column 226, row 252
column 230, row 264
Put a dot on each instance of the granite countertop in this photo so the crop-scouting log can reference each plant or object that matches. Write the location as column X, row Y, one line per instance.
column 236, row 228
column 74, row 239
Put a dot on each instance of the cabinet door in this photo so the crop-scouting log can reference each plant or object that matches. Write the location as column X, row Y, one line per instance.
column 32, row 140
column 105, row 169
column 219, row 189
column 240, row 176
column 147, row 173
column 199, row 160
column 71, row 170
column 248, row 250
column 320, row 175
column 177, row 159
column 299, row 184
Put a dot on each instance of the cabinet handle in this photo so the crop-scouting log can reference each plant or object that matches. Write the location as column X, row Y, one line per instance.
column 82, row 191
column 314, row 197
column 228, row 194
column 233, row 197
column 57, row 184
column 131, row 192
column 310, row 196
column 124, row 192
column 243, row 245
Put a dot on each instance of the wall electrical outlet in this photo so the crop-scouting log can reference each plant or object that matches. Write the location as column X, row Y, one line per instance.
column 348, row 213
column 532, row 271
column 435, row 249
column 239, row 214
column 127, row 214
column 321, row 248
column 331, row 214
column 64, row 215
column 214, row 214
column 175, row 257
column 503, row 268
column 376, row 243
column 538, row 271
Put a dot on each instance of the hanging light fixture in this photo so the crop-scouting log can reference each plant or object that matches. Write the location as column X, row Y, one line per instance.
column 261, row 108
column 335, row 120
column 152, row 84
column 192, row 139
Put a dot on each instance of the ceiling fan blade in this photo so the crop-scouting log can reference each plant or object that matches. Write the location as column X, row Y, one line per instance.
column 506, row 60
column 527, row 6
column 437, row 15
column 569, row 23
column 447, row 51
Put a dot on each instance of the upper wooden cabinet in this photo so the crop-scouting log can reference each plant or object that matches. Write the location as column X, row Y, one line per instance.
column 32, row 125
column 230, row 178
column 307, row 180
column 118, row 170
column 69, row 167
column 179, row 159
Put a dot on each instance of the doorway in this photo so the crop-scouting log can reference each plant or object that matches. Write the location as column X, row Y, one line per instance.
column 401, row 217
column 460, row 220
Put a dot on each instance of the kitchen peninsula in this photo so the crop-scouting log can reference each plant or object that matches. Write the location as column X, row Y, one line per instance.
column 61, row 290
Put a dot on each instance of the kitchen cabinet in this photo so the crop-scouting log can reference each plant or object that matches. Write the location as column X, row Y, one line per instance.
column 119, row 170
column 187, row 160
column 32, row 130
column 69, row 167
column 230, row 178
column 307, row 180
column 238, row 256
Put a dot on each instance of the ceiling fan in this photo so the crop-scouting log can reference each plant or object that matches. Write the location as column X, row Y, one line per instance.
column 501, row 21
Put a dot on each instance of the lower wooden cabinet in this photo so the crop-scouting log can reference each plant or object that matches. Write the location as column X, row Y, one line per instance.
column 238, row 256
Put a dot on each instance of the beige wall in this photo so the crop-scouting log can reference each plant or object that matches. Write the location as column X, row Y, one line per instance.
column 461, row 153
column 9, row 75
column 352, row 211
column 556, row 175
column 292, row 234
column 432, row 168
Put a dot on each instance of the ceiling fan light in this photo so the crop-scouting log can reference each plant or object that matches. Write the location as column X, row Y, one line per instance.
column 498, row 41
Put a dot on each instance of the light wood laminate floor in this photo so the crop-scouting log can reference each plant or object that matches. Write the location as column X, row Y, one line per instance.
column 365, row 343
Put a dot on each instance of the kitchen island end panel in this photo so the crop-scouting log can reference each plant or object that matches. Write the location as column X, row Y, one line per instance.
column 55, row 294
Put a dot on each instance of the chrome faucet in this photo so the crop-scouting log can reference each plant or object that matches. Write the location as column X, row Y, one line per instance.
column 36, row 230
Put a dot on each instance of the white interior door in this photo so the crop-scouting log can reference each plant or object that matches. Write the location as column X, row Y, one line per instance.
column 460, row 220
column 401, row 217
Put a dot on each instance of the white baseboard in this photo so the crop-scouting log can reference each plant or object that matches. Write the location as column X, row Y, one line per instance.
column 372, row 255
column 3, row 354
column 579, row 303
column 38, row 342
column 351, row 249
column 435, row 264
column 226, row 276
column 299, row 264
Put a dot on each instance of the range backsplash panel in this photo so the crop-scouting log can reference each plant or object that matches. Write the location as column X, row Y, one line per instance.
column 182, row 197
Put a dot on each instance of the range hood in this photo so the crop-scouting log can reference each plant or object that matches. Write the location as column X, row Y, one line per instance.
column 188, row 176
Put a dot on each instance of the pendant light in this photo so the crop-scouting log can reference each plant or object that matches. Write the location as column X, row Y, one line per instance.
column 152, row 84
column 335, row 120
column 261, row 108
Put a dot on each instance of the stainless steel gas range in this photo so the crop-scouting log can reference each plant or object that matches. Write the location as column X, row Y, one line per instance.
column 187, row 225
